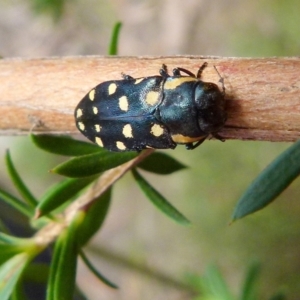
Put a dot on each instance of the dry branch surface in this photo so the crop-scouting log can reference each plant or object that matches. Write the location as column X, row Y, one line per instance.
column 263, row 94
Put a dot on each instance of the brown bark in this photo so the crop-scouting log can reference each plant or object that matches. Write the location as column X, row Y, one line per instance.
column 263, row 94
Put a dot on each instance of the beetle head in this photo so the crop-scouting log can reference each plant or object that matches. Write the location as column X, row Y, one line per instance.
column 210, row 103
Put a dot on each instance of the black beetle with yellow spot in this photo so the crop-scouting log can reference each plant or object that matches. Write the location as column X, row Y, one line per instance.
column 152, row 112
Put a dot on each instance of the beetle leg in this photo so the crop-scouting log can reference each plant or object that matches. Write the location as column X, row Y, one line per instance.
column 126, row 77
column 221, row 80
column 191, row 146
column 199, row 73
column 218, row 137
column 177, row 71
column 164, row 71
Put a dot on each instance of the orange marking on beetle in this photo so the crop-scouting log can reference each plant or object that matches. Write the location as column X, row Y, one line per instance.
column 139, row 80
column 99, row 141
column 92, row 95
column 175, row 82
column 152, row 98
column 120, row 145
column 182, row 139
column 112, row 88
column 157, row 130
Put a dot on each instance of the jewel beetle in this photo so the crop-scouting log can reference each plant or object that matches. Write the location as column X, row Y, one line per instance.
column 152, row 112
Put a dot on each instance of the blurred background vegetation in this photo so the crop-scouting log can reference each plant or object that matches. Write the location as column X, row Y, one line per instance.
column 219, row 172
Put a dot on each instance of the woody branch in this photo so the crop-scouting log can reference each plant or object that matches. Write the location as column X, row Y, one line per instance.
column 262, row 94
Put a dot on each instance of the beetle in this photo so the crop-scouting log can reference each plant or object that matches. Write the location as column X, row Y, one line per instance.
column 157, row 112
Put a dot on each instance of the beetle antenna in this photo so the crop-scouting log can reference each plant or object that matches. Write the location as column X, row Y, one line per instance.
column 221, row 80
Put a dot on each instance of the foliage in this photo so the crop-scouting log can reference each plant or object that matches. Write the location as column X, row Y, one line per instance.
column 270, row 183
column 70, row 212
column 212, row 285
column 73, row 210
column 53, row 7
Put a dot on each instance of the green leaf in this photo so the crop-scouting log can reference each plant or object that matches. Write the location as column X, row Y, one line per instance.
column 16, row 203
column 160, row 163
column 9, row 239
column 94, row 217
column 60, row 193
column 250, row 287
column 8, row 251
column 18, row 292
column 53, row 7
column 62, row 275
column 279, row 296
column 18, row 182
column 64, row 145
column 159, row 201
column 96, row 272
column 55, row 262
column 10, row 273
column 113, row 47
column 3, row 226
column 37, row 272
column 214, row 285
column 91, row 164
column 10, row 246
column 270, row 183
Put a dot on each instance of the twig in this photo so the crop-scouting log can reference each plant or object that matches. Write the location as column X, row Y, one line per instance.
column 263, row 94
column 48, row 233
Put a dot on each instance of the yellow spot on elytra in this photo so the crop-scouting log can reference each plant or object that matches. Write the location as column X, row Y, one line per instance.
column 81, row 126
column 98, row 127
column 79, row 113
column 157, row 130
column 173, row 83
column 120, row 146
column 127, row 131
column 137, row 81
column 92, row 94
column 99, row 141
column 152, row 98
column 112, row 88
column 123, row 103
column 182, row 139
column 95, row 110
